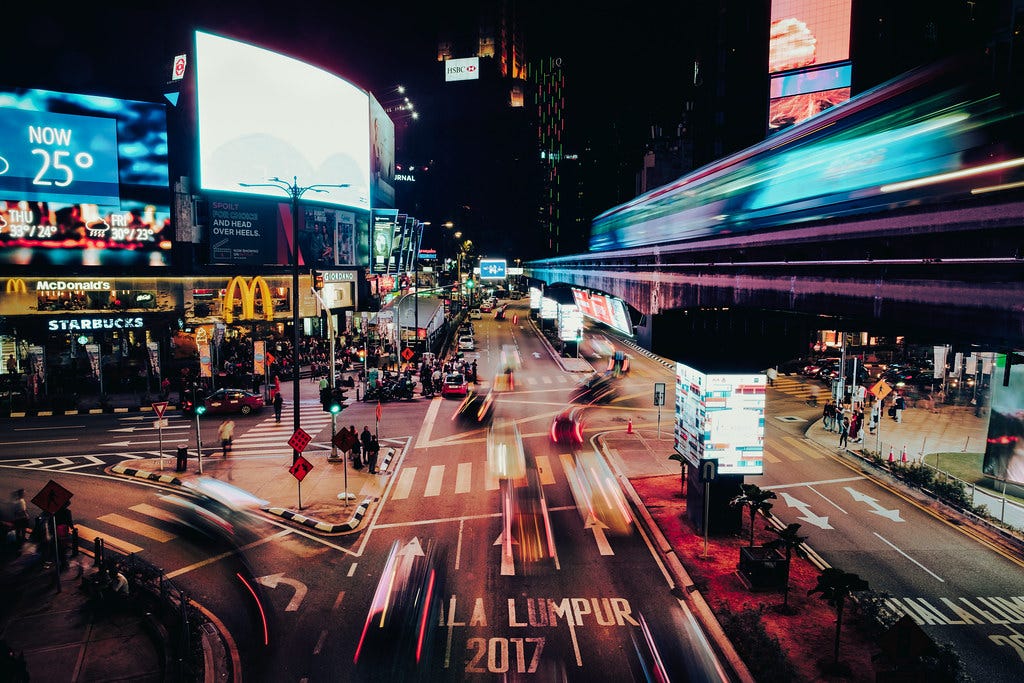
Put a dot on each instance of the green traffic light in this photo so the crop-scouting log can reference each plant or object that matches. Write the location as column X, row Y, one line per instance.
column 335, row 408
column 200, row 410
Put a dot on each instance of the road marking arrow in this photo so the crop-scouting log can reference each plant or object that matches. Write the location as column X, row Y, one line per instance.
column 151, row 429
column 122, row 444
column 598, row 527
column 804, row 508
column 894, row 515
column 506, row 541
column 536, row 354
column 272, row 581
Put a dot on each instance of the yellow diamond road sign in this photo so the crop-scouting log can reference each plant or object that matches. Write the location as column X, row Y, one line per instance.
column 881, row 389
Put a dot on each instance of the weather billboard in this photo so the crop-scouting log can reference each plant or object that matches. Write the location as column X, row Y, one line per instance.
column 83, row 181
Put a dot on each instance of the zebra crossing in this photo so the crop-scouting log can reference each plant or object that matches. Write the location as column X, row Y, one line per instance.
column 802, row 389
column 270, row 438
column 457, row 478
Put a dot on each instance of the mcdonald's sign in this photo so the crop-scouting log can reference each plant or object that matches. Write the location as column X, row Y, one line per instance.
column 16, row 285
column 247, row 291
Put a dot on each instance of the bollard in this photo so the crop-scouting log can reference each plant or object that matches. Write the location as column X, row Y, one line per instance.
column 629, row 426
column 74, row 541
column 182, row 463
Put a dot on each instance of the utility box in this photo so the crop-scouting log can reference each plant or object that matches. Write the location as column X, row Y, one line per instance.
column 763, row 568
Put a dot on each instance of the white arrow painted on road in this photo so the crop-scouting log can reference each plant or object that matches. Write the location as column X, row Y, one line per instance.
column 506, row 541
column 151, row 429
column 536, row 354
column 272, row 581
column 122, row 444
column 804, row 508
column 598, row 527
column 894, row 515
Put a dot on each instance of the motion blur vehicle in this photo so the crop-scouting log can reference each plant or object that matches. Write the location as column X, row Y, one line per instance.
column 506, row 458
column 476, row 408
column 397, row 642
column 598, row 388
column 454, row 384
column 567, row 428
column 599, row 499
column 618, row 364
column 214, row 509
column 225, row 401
column 527, row 535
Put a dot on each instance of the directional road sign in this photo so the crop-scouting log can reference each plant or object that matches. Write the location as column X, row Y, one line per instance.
column 493, row 269
column 300, row 468
column 708, row 470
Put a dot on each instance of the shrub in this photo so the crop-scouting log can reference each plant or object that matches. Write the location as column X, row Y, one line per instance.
column 762, row 652
column 952, row 490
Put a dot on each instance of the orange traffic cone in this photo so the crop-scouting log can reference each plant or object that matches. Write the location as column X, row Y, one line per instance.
column 903, row 457
column 892, row 456
column 629, row 426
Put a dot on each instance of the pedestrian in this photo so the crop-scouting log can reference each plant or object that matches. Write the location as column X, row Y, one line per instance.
column 371, row 454
column 899, row 404
column 20, row 515
column 364, row 437
column 357, row 455
column 165, row 388
column 772, row 374
column 226, row 433
column 844, row 431
column 828, row 415
column 278, row 405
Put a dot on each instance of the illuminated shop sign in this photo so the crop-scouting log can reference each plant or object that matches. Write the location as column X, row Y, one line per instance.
column 65, row 324
column 71, row 286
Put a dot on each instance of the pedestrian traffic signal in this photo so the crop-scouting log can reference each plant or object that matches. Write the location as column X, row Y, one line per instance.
column 325, row 399
column 337, row 403
column 318, row 280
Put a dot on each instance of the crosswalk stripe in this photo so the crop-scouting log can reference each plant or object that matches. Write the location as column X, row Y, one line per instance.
column 769, row 457
column 464, row 477
column 804, row 447
column 434, row 480
column 155, row 512
column 140, row 528
column 87, row 535
column 546, row 379
column 547, row 476
column 490, row 479
column 404, row 484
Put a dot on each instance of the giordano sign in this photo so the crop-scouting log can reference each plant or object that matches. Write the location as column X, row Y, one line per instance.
column 247, row 292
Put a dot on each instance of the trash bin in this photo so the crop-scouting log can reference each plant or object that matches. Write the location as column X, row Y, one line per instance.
column 182, row 458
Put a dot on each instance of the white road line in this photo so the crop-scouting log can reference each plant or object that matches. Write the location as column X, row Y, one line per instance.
column 940, row 579
column 140, row 528
column 434, row 480
column 19, row 443
column 464, row 477
column 811, row 483
column 404, row 484
column 547, row 475
column 827, row 499
column 47, row 429
column 423, row 438
column 87, row 535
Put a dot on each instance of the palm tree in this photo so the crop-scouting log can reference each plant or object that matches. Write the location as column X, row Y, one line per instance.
column 682, row 471
column 788, row 539
column 835, row 586
column 756, row 499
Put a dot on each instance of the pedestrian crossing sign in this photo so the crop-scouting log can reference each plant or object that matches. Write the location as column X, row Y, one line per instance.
column 881, row 389
column 300, row 468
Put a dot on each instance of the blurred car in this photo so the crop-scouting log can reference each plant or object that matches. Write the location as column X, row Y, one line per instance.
column 506, row 458
column 527, row 534
column 567, row 428
column 794, row 366
column 214, row 509
column 598, row 496
column 486, row 307
column 225, row 401
column 454, row 384
column 474, row 314
column 467, row 342
column 819, row 365
column 475, row 408
column 506, row 381
column 397, row 642
column 595, row 389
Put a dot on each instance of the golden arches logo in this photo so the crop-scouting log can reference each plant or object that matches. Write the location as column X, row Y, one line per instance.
column 247, row 291
column 16, row 285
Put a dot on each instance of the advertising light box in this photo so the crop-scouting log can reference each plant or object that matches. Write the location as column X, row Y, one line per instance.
column 83, row 180
column 570, row 322
column 604, row 309
column 720, row 416
column 466, row 69
column 263, row 115
column 1004, row 452
column 535, row 297
column 548, row 309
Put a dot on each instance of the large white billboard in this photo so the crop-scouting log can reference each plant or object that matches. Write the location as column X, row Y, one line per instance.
column 467, row 69
column 263, row 115
column 720, row 416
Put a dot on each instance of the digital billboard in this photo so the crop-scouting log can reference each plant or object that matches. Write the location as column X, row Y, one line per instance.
column 720, row 416
column 608, row 310
column 1004, row 449
column 83, row 180
column 263, row 115
column 382, row 156
column 382, row 234
column 808, row 57
column 465, row 69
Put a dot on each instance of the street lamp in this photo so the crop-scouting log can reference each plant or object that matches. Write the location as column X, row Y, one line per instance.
column 295, row 192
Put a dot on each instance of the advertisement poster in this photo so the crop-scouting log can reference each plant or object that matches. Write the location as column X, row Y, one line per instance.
column 259, row 357
column 382, row 233
column 205, row 364
column 345, row 251
column 154, row 357
column 1004, row 449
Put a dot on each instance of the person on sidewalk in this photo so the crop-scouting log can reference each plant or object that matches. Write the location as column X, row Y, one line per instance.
column 844, row 431
column 278, row 405
column 828, row 415
column 372, row 451
column 226, row 434
column 364, row 438
column 19, row 515
column 899, row 405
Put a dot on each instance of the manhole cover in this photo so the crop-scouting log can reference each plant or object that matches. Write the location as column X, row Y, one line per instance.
column 790, row 418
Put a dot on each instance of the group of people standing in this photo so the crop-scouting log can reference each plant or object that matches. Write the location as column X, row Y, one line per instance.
column 850, row 421
column 362, row 448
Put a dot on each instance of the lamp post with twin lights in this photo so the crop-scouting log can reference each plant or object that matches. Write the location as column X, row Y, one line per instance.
column 295, row 192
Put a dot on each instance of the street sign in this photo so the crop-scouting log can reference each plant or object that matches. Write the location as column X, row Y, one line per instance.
column 159, row 407
column 341, row 440
column 708, row 470
column 407, row 353
column 52, row 497
column 493, row 269
column 881, row 389
column 659, row 393
column 300, row 468
column 300, row 439
column 161, row 423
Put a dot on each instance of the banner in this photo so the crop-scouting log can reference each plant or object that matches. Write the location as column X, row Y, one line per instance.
column 37, row 362
column 259, row 358
column 205, row 366
column 939, row 361
column 383, row 230
column 154, row 357
column 93, row 352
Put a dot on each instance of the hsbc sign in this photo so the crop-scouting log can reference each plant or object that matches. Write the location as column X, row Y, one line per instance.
column 467, row 69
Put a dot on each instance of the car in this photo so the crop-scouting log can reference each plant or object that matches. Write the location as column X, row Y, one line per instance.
column 225, row 401
column 474, row 314
column 794, row 366
column 486, row 307
column 596, row 389
column 466, row 328
column 454, row 384
column 467, row 342
column 567, row 428
column 475, row 408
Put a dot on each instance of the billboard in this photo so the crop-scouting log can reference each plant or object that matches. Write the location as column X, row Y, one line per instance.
column 808, row 57
column 382, row 234
column 720, row 416
column 253, row 124
column 1004, row 448
column 570, row 322
column 83, row 181
column 467, row 69
column 608, row 310
column 382, row 156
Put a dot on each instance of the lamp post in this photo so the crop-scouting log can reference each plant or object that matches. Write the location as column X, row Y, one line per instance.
column 295, row 192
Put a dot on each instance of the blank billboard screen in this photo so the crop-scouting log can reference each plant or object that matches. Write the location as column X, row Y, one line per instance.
column 262, row 115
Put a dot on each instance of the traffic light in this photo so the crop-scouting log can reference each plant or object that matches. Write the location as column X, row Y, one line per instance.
column 318, row 280
column 325, row 399
column 200, row 409
column 337, row 403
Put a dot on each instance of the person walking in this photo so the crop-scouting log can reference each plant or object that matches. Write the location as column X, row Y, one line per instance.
column 899, row 405
column 772, row 374
column 828, row 415
column 372, row 451
column 226, row 433
column 844, row 431
column 278, row 405
column 19, row 515
column 364, row 437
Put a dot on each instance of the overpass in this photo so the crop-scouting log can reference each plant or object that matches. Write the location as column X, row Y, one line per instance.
column 938, row 274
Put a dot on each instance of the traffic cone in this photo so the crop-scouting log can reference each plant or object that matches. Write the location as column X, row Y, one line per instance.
column 903, row 456
column 892, row 456
column 629, row 426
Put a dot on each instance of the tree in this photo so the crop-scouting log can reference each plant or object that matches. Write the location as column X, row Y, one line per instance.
column 682, row 471
column 788, row 539
column 835, row 587
column 756, row 500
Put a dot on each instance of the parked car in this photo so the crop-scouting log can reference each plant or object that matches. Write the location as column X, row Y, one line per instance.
column 454, row 384
column 227, row 401
column 794, row 366
column 467, row 342
column 474, row 314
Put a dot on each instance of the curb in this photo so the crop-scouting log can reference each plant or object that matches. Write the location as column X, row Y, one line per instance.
column 324, row 527
column 146, row 474
column 85, row 411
